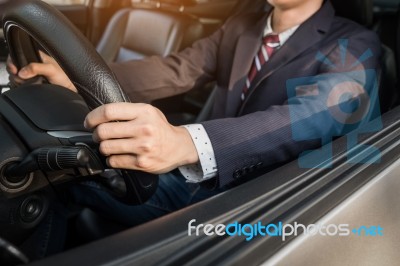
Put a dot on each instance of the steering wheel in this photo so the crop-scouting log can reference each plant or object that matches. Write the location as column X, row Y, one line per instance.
column 43, row 140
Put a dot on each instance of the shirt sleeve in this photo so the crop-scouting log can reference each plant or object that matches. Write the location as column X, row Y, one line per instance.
column 207, row 166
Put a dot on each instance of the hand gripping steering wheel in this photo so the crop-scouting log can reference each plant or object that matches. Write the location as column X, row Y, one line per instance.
column 29, row 25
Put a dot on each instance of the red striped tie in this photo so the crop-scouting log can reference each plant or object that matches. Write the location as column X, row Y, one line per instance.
column 270, row 44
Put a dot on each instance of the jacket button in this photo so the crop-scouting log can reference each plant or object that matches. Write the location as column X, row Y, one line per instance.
column 237, row 174
column 252, row 168
column 259, row 165
column 245, row 170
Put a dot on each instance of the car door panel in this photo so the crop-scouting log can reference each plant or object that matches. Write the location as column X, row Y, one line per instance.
column 365, row 208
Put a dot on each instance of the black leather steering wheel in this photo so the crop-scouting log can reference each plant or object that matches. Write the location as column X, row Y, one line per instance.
column 91, row 76
column 61, row 40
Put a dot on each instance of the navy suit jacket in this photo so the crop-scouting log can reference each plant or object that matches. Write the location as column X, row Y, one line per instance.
column 259, row 131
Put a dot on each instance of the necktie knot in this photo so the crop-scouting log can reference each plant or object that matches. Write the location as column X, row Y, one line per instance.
column 271, row 40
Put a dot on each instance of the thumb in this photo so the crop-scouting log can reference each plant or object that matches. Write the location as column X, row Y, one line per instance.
column 26, row 73
column 33, row 70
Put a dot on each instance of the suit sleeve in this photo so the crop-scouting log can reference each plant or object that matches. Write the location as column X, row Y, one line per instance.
column 157, row 77
column 311, row 116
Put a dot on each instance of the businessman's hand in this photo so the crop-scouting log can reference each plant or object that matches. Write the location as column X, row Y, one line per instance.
column 49, row 69
column 142, row 139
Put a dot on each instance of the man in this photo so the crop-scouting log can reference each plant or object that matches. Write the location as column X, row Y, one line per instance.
column 252, row 57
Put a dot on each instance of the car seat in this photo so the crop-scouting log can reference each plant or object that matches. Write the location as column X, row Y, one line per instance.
column 136, row 33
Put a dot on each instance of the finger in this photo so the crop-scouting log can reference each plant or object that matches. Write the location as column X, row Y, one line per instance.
column 131, row 161
column 14, row 79
column 126, row 146
column 114, row 112
column 114, row 130
column 118, row 147
column 123, row 162
column 11, row 68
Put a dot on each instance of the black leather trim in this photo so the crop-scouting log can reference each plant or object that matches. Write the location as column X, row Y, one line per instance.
column 57, row 35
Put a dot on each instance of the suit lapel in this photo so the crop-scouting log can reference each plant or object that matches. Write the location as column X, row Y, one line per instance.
column 246, row 48
column 309, row 33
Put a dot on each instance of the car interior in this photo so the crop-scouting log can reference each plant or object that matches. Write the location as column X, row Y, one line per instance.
column 131, row 30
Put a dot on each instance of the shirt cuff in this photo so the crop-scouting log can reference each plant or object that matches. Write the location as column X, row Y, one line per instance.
column 207, row 166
